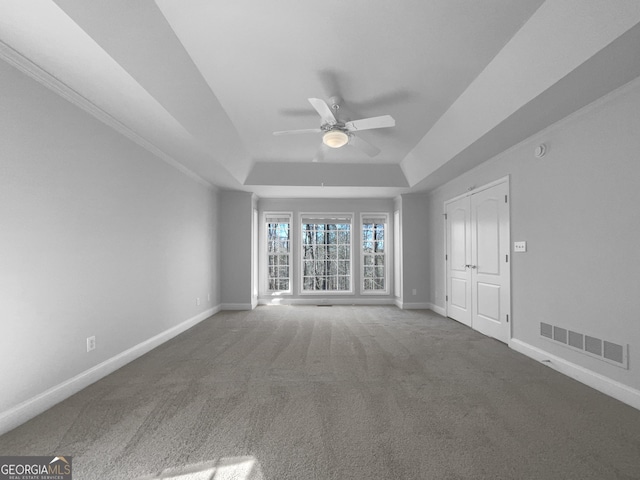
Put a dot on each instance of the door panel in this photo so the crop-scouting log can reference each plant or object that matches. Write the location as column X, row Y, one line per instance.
column 488, row 301
column 458, row 257
column 459, row 293
column 487, row 236
column 459, row 234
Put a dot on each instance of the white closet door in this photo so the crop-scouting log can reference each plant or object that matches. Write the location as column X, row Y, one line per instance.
column 490, row 263
column 478, row 275
column 458, row 260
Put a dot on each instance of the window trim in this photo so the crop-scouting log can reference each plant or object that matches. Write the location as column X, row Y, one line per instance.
column 397, row 254
column 320, row 216
column 384, row 215
column 265, row 251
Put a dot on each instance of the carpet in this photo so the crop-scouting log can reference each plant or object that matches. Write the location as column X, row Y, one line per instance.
column 346, row 392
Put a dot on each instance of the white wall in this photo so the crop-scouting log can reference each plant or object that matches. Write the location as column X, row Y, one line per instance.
column 97, row 237
column 578, row 210
column 323, row 205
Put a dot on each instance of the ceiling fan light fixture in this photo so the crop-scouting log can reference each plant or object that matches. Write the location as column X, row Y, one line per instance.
column 335, row 138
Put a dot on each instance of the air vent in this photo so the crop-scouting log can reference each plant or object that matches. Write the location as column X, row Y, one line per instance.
column 613, row 352
column 576, row 340
column 593, row 345
column 610, row 352
column 559, row 334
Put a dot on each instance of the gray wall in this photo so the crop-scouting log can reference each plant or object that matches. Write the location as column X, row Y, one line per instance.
column 235, row 239
column 415, row 263
column 353, row 206
column 97, row 237
column 578, row 208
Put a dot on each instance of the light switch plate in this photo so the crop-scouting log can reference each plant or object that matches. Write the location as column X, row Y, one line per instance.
column 519, row 246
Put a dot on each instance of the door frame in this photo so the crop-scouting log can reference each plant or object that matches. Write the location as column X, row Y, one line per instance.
column 468, row 193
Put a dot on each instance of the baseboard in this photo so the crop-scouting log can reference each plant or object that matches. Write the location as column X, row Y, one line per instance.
column 32, row 407
column 416, row 306
column 603, row 384
column 326, row 301
column 439, row 310
column 236, row 306
column 398, row 303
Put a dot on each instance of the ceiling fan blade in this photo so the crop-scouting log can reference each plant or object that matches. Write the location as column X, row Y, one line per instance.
column 295, row 132
column 369, row 123
column 363, row 145
column 323, row 110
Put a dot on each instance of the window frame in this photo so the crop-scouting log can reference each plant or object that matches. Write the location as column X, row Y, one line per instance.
column 397, row 254
column 265, row 249
column 348, row 217
column 385, row 253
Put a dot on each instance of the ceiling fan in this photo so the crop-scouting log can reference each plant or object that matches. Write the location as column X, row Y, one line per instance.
column 336, row 134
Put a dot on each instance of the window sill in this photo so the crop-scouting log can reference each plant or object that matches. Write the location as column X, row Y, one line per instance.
column 326, row 292
column 374, row 292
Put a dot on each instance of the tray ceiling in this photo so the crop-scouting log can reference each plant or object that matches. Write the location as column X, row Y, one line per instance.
column 204, row 84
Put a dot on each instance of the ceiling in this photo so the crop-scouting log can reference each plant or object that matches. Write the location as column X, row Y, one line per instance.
column 204, row 84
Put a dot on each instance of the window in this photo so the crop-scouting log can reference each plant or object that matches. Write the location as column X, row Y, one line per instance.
column 374, row 257
column 278, row 252
column 326, row 254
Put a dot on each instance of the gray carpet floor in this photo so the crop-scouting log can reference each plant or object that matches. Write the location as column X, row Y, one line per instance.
column 336, row 393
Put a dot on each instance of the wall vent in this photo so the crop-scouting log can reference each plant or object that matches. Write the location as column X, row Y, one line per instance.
column 559, row 334
column 576, row 340
column 610, row 352
column 613, row 352
column 546, row 330
column 593, row 345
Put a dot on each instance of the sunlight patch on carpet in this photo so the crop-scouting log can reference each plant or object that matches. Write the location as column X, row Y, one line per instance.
column 227, row 468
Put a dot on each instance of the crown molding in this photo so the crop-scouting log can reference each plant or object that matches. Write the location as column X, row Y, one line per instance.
column 26, row 66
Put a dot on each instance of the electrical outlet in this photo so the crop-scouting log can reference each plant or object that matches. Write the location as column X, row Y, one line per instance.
column 208, row 297
column 414, row 292
column 198, row 301
column 519, row 246
column 91, row 343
